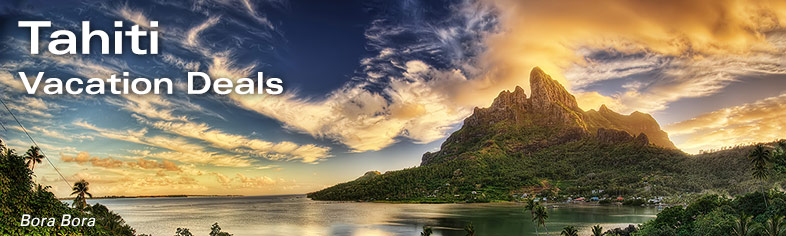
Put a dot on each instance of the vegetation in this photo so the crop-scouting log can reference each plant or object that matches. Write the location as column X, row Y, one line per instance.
column 569, row 231
column 470, row 229
column 597, row 230
column 215, row 230
column 586, row 168
column 427, row 231
column 20, row 195
column 33, row 157
column 715, row 215
column 81, row 190
column 540, row 217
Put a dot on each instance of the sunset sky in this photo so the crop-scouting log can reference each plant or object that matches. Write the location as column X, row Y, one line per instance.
column 373, row 85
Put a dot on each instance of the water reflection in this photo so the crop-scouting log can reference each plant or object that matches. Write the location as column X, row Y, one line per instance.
column 297, row 215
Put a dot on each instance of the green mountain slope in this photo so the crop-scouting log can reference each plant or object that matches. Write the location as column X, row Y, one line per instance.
column 547, row 145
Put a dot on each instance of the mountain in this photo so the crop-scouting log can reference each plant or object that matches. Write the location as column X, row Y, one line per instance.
column 550, row 117
column 546, row 145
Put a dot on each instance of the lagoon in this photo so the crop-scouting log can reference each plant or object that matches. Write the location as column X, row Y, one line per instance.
column 298, row 215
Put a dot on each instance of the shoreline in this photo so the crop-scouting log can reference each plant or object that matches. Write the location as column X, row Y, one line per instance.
column 153, row 196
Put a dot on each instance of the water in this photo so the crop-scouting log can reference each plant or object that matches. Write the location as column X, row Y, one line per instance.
column 297, row 215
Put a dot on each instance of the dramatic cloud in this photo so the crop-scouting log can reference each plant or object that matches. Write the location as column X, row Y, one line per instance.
column 761, row 121
column 181, row 149
column 237, row 143
column 700, row 45
column 109, row 162
column 411, row 107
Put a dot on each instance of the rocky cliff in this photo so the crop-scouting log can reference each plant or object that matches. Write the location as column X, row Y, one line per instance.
column 551, row 116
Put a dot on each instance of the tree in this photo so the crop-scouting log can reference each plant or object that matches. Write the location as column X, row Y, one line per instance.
column 760, row 158
column 531, row 205
column 780, row 149
column 33, row 156
column 426, row 231
column 470, row 229
column 215, row 230
column 774, row 226
column 541, row 215
column 569, row 231
column 81, row 189
column 183, row 232
column 743, row 225
column 597, row 230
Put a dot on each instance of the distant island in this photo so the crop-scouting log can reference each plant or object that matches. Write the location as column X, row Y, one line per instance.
column 154, row 196
column 546, row 146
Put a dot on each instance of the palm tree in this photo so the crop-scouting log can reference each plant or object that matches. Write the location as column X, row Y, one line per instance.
column 597, row 230
column 531, row 205
column 541, row 215
column 760, row 158
column 569, row 231
column 470, row 229
column 774, row 226
column 33, row 156
column 742, row 225
column 81, row 189
column 426, row 231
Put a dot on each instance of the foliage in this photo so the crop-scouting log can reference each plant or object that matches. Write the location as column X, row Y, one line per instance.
column 540, row 217
column 81, row 189
column 569, row 231
column 427, row 231
column 183, row 232
column 715, row 215
column 215, row 230
column 630, row 230
column 470, row 229
column 20, row 195
column 33, row 157
column 597, row 230
column 584, row 168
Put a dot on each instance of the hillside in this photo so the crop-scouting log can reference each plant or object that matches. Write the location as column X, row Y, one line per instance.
column 547, row 145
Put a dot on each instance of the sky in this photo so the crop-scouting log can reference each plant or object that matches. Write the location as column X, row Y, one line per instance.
column 372, row 85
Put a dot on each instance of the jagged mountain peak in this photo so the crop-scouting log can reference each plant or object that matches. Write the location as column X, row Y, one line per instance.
column 550, row 116
column 547, row 91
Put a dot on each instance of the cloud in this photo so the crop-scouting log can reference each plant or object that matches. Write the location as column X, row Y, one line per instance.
column 181, row 149
column 112, row 163
column 749, row 123
column 10, row 83
column 238, row 143
column 192, row 38
column 694, row 42
column 411, row 107
column 134, row 15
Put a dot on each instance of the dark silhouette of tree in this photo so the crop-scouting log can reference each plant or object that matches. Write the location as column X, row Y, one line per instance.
column 33, row 157
column 426, row 231
column 470, row 229
column 569, row 231
column 215, row 230
column 531, row 205
column 81, row 189
column 183, row 232
column 760, row 157
column 597, row 230
column 541, row 215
